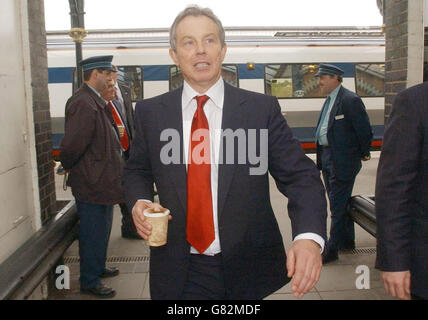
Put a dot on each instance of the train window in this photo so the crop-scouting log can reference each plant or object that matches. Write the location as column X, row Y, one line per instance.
column 292, row 80
column 229, row 72
column 370, row 79
column 130, row 75
column 133, row 77
column 175, row 78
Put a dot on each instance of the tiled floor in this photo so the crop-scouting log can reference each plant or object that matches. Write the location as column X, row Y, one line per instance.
column 337, row 280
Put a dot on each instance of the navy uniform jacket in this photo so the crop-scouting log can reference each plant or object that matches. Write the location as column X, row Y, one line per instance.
column 349, row 134
column 402, row 190
column 253, row 253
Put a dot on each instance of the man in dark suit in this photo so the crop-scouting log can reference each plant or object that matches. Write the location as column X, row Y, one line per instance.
column 343, row 138
column 401, row 197
column 123, row 106
column 223, row 239
column 124, row 100
column 90, row 151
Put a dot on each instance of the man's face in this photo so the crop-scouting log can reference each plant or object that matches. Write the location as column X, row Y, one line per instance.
column 327, row 83
column 102, row 79
column 199, row 53
column 109, row 92
column 114, row 76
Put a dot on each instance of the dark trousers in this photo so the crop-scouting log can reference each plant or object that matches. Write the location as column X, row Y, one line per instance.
column 94, row 234
column 127, row 223
column 128, row 227
column 205, row 280
column 342, row 232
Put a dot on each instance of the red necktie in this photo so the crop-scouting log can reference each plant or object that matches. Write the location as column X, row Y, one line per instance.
column 200, row 224
column 124, row 140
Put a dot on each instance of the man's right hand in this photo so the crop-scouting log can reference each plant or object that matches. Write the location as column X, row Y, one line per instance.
column 397, row 284
column 144, row 228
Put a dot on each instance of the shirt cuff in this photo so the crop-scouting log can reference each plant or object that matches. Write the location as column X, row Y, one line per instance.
column 311, row 236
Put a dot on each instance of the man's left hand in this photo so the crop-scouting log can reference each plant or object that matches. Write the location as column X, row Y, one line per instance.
column 304, row 264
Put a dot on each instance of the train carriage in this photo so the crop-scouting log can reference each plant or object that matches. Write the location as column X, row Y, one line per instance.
column 275, row 61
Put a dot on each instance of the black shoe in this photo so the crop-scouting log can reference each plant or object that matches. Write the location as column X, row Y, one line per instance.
column 329, row 256
column 100, row 291
column 110, row 272
column 347, row 246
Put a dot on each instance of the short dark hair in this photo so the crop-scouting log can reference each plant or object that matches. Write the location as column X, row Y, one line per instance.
column 87, row 73
column 196, row 11
column 339, row 78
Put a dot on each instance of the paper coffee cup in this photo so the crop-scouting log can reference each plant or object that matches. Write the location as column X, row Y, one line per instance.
column 159, row 222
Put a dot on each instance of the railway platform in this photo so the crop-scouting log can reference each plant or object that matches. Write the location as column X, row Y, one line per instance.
column 339, row 280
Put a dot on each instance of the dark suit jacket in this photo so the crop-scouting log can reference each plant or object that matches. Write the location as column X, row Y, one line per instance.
column 349, row 134
column 126, row 95
column 128, row 115
column 402, row 190
column 252, row 248
column 91, row 150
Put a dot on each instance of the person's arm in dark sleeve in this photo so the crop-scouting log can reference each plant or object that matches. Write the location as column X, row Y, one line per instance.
column 297, row 177
column 357, row 114
column 79, row 130
column 395, row 185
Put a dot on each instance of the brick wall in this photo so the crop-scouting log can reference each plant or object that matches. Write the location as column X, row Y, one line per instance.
column 396, row 53
column 42, row 118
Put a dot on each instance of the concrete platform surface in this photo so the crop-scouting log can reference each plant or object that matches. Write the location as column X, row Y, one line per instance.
column 338, row 280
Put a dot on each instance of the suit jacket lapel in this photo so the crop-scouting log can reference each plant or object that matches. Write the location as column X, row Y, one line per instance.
column 335, row 107
column 233, row 118
column 171, row 117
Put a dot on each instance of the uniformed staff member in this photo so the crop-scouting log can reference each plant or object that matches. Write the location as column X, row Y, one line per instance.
column 91, row 152
column 343, row 139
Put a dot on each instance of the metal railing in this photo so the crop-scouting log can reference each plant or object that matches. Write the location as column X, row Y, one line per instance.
column 362, row 211
column 25, row 269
